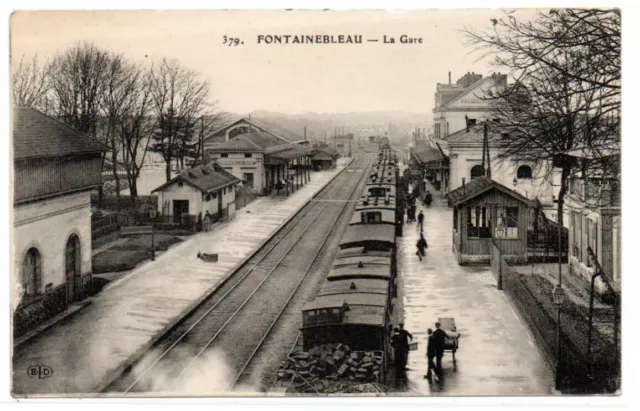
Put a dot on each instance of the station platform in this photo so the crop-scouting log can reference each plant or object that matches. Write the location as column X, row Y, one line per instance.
column 87, row 351
column 497, row 353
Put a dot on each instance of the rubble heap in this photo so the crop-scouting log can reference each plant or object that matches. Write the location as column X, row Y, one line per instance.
column 332, row 368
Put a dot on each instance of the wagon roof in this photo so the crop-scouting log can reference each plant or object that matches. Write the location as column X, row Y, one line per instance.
column 352, row 299
column 388, row 215
column 366, row 259
column 359, row 251
column 357, row 234
column 362, row 286
column 352, row 271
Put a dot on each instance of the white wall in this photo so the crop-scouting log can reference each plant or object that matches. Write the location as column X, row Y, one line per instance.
column 47, row 226
column 237, row 164
column 463, row 159
column 186, row 192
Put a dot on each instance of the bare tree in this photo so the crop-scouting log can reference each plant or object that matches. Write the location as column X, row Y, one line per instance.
column 135, row 127
column 566, row 93
column 179, row 97
column 30, row 83
column 121, row 84
column 79, row 77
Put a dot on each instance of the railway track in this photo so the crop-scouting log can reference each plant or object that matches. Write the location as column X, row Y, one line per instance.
column 237, row 318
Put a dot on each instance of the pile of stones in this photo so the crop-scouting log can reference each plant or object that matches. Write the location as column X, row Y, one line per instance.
column 332, row 368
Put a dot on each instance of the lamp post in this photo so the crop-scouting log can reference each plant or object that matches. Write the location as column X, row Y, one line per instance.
column 558, row 300
column 152, row 214
column 515, row 182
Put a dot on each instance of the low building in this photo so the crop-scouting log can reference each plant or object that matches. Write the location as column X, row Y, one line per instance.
column 194, row 192
column 324, row 158
column 484, row 213
column 55, row 169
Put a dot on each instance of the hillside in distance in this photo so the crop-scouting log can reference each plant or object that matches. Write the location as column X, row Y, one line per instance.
column 397, row 124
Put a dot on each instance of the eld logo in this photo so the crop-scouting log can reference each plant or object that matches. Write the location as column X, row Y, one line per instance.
column 41, row 371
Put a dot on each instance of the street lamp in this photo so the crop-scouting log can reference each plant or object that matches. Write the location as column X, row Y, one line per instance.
column 515, row 182
column 152, row 214
column 558, row 300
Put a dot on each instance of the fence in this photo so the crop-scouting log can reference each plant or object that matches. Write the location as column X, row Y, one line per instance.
column 576, row 371
column 114, row 203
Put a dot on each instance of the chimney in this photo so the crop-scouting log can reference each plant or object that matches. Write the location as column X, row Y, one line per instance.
column 449, row 78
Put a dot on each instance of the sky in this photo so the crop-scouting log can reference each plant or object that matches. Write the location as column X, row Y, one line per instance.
column 291, row 78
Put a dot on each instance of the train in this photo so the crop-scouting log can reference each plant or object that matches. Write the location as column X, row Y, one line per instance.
column 355, row 302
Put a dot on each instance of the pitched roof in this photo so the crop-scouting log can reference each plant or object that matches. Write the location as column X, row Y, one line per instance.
column 426, row 154
column 479, row 186
column 256, row 141
column 204, row 178
column 37, row 135
column 290, row 153
column 474, row 135
column 329, row 151
column 283, row 134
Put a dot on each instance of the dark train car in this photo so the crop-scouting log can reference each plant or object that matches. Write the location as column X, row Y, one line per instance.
column 370, row 236
column 354, row 305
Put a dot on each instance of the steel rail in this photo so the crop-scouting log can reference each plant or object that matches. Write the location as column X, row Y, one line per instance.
column 304, row 276
column 328, row 189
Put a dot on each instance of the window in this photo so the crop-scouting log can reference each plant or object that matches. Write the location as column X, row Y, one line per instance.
column 208, row 198
column 477, row 171
column 224, row 155
column 507, row 222
column 524, row 172
column 592, row 239
column 248, row 155
column 455, row 220
column 471, row 122
column 377, row 192
column 371, row 218
column 478, row 222
column 31, row 273
column 504, row 136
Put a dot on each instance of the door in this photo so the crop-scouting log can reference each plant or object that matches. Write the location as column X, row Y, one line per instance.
column 248, row 178
column 180, row 208
column 73, row 269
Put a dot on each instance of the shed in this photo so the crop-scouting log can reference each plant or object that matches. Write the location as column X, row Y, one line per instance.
column 485, row 213
column 196, row 191
column 324, row 158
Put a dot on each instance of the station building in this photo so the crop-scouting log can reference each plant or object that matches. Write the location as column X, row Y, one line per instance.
column 55, row 170
column 260, row 154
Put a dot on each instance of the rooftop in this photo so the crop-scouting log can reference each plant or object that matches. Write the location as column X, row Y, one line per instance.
column 204, row 178
column 479, row 186
column 36, row 135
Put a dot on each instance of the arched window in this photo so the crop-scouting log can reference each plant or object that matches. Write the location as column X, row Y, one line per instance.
column 32, row 273
column 73, row 268
column 524, row 172
column 477, row 171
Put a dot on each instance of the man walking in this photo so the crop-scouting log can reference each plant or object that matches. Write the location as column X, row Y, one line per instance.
column 403, row 339
column 431, row 354
column 439, row 338
column 421, row 245
column 420, row 220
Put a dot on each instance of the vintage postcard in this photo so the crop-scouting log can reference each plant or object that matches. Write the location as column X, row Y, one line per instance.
column 316, row 203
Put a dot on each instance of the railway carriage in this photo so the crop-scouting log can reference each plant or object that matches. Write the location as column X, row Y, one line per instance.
column 355, row 303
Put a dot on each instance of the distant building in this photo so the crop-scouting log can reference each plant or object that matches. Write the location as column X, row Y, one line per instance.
column 465, row 98
column 324, row 158
column 55, row 169
column 196, row 191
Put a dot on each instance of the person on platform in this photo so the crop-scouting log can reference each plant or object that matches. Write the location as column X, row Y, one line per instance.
column 400, row 342
column 428, row 199
column 431, row 354
column 439, row 339
column 420, row 220
column 206, row 222
column 422, row 246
